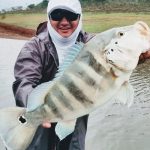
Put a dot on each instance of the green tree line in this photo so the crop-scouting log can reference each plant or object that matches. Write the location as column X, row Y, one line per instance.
column 44, row 3
column 107, row 6
column 127, row 1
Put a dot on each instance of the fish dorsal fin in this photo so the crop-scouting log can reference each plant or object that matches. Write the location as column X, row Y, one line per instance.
column 72, row 54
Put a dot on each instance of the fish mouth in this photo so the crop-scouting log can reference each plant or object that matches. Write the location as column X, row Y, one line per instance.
column 112, row 63
column 106, row 52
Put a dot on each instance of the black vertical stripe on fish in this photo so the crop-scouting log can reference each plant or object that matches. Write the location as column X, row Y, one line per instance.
column 74, row 90
column 53, row 106
column 82, row 74
column 89, row 59
column 56, row 91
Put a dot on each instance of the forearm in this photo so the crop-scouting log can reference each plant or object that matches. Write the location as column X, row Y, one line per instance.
column 27, row 72
column 21, row 89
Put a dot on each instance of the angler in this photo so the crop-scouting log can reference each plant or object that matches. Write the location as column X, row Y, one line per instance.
column 91, row 75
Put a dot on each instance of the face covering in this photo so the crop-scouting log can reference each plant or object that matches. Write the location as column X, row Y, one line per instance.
column 62, row 44
column 70, row 5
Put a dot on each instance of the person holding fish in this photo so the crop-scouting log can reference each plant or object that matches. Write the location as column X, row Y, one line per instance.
column 38, row 62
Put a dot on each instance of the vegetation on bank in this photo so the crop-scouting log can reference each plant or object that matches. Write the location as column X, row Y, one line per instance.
column 106, row 6
column 98, row 15
column 92, row 21
column 109, row 6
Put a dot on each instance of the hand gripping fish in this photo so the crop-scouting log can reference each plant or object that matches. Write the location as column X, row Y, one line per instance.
column 90, row 76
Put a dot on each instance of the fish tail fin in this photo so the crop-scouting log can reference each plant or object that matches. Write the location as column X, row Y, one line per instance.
column 15, row 131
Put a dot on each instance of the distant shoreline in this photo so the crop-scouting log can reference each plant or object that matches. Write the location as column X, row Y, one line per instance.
column 15, row 32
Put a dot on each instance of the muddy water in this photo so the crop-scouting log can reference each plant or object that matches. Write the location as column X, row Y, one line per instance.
column 117, row 127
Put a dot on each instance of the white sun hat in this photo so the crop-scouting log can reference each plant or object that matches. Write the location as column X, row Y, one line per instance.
column 71, row 5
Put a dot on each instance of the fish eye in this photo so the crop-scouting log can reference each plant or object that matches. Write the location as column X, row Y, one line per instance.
column 112, row 50
column 110, row 61
column 120, row 33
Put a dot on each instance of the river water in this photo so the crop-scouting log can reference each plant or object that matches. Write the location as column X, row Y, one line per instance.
column 111, row 127
column 117, row 127
column 9, row 50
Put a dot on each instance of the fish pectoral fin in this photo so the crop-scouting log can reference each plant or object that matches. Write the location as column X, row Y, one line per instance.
column 65, row 128
column 125, row 95
column 37, row 96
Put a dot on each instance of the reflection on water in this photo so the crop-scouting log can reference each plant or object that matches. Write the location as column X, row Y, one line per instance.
column 141, row 82
column 116, row 127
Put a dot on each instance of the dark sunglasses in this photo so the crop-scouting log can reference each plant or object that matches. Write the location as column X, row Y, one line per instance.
column 59, row 14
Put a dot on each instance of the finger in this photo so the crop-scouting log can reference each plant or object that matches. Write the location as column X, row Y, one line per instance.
column 46, row 124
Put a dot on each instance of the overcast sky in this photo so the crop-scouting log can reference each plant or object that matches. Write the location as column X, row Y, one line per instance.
column 6, row 4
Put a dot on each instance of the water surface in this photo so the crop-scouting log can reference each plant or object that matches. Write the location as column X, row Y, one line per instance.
column 9, row 50
column 117, row 127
